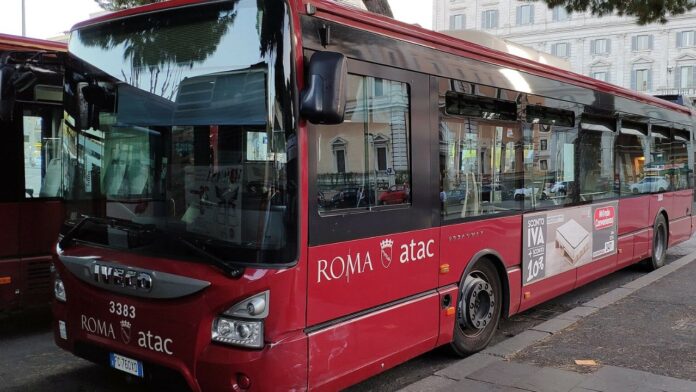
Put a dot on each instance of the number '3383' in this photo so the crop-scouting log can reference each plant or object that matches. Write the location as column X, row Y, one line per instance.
column 121, row 309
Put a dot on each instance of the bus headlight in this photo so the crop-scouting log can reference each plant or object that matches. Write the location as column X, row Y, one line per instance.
column 59, row 289
column 238, row 332
column 242, row 324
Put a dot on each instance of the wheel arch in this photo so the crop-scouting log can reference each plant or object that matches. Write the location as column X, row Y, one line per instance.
column 497, row 261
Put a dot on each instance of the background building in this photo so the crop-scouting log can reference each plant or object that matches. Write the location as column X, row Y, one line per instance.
column 656, row 58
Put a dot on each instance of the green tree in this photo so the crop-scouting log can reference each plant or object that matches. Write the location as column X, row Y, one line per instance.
column 114, row 5
column 645, row 11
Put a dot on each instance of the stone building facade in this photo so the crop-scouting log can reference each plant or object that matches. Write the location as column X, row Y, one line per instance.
column 656, row 59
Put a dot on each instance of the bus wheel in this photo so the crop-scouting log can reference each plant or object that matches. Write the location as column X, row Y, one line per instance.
column 659, row 249
column 478, row 309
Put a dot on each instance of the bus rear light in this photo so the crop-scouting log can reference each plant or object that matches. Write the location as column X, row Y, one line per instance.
column 242, row 324
column 59, row 289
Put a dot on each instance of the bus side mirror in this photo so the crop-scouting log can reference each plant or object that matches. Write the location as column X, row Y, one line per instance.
column 324, row 97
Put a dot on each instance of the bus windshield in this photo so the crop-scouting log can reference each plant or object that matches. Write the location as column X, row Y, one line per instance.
column 185, row 121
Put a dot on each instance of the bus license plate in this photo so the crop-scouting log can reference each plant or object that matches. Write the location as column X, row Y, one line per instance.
column 127, row 365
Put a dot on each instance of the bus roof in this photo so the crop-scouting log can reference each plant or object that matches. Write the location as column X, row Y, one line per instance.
column 13, row 42
column 383, row 25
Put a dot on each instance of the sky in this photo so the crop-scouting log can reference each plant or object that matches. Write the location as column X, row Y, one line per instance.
column 50, row 18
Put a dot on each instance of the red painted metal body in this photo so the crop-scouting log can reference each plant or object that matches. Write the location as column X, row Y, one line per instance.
column 28, row 227
column 347, row 310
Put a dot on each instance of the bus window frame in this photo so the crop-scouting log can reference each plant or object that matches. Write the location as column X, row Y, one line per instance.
column 422, row 212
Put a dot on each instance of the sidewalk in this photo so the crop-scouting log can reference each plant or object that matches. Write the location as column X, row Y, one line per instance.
column 642, row 337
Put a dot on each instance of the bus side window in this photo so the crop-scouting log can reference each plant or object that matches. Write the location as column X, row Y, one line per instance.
column 481, row 154
column 365, row 162
column 550, row 157
column 596, row 159
column 632, row 148
column 680, row 159
column 661, row 157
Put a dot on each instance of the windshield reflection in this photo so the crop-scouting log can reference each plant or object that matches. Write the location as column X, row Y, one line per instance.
column 184, row 120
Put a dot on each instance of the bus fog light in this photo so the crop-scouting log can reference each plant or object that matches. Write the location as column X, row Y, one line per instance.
column 59, row 289
column 244, row 333
column 62, row 330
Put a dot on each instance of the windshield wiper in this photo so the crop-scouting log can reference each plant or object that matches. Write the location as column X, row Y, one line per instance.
column 72, row 233
column 232, row 270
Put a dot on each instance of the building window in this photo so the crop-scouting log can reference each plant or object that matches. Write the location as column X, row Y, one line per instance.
column 601, row 46
column 379, row 87
column 601, row 75
column 686, row 39
column 457, row 22
column 525, row 15
column 641, row 80
column 339, row 150
column 561, row 49
column 489, row 19
column 543, row 145
column 642, row 42
column 560, row 14
column 686, row 76
column 382, row 158
column 543, row 165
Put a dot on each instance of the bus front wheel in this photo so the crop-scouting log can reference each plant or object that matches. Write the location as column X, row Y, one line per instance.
column 478, row 309
column 659, row 245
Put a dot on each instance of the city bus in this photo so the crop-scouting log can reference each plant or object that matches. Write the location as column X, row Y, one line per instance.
column 296, row 195
column 31, row 86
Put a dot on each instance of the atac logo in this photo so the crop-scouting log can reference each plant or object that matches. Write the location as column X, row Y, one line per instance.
column 386, row 247
column 126, row 331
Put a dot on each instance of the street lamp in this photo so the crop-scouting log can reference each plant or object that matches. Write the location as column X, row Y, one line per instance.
column 24, row 24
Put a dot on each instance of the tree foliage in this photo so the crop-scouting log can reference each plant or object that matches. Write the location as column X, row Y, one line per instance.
column 377, row 6
column 114, row 5
column 645, row 11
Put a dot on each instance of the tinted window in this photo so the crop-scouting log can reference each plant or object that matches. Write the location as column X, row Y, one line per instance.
column 365, row 162
column 43, row 169
column 596, row 159
column 481, row 161
column 632, row 148
column 550, row 175
column 681, row 140
column 661, row 159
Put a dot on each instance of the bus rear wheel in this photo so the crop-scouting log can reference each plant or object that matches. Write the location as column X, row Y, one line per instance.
column 659, row 244
column 478, row 309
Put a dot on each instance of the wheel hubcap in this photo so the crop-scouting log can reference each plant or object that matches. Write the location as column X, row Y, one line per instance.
column 476, row 304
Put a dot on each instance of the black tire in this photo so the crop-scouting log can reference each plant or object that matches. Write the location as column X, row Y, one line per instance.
column 467, row 338
column 519, row 197
column 659, row 243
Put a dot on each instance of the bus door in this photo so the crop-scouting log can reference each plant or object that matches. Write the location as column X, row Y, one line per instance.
column 41, row 211
column 373, row 256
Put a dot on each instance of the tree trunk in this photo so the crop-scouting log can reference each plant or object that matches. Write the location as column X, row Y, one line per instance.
column 379, row 7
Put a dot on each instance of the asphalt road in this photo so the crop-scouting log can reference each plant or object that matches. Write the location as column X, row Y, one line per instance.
column 29, row 361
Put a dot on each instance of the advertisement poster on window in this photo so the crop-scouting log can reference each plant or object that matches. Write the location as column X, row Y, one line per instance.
column 557, row 241
column 214, row 201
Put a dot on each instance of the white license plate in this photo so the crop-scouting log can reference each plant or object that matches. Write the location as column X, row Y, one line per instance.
column 127, row 365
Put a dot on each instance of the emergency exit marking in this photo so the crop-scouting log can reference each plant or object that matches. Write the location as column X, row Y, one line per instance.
column 5, row 280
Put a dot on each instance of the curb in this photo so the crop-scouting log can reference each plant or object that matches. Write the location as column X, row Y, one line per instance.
column 452, row 374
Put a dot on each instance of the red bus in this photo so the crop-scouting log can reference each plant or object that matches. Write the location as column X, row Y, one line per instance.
column 228, row 225
column 31, row 85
